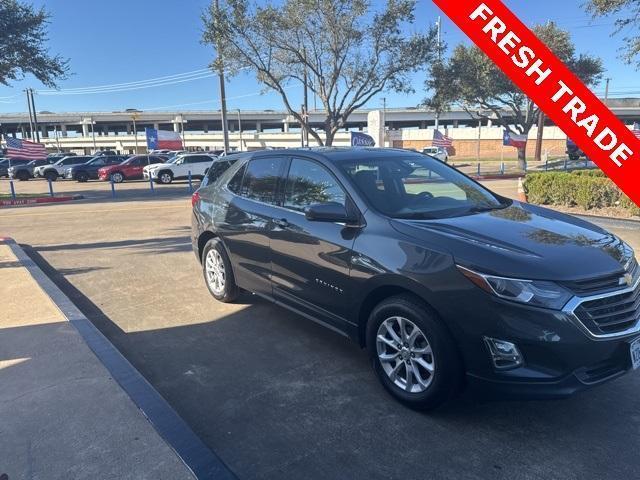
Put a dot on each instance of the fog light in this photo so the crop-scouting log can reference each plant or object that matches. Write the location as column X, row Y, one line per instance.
column 504, row 355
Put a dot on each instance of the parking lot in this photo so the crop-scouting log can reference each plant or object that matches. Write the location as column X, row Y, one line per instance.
column 277, row 396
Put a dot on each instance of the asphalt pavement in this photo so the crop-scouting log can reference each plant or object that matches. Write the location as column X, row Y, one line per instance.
column 276, row 396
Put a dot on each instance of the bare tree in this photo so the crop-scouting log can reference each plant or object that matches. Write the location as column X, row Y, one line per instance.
column 348, row 52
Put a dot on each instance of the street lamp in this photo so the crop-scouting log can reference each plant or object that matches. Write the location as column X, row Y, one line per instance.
column 240, row 128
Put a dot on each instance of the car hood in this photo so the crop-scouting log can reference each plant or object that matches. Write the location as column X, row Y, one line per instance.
column 524, row 241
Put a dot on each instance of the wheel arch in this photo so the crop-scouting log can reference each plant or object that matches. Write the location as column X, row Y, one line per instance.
column 380, row 289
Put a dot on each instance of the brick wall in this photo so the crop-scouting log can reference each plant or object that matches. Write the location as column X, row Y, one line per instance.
column 490, row 148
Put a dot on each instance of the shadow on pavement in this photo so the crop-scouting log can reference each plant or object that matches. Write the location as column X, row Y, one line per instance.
column 277, row 396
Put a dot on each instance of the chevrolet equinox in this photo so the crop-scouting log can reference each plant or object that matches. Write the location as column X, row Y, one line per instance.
column 444, row 282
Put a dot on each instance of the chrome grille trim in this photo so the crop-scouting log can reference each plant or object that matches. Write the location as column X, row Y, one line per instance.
column 576, row 301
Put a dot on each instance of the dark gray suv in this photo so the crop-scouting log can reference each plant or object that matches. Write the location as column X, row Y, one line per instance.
column 444, row 282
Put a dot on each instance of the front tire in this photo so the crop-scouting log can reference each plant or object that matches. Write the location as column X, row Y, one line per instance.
column 412, row 352
column 82, row 177
column 117, row 177
column 23, row 176
column 165, row 177
column 53, row 176
column 217, row 271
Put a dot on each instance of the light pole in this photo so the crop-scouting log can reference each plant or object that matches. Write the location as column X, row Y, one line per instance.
column 93, row 134
column 240, row 129
column 134, row 117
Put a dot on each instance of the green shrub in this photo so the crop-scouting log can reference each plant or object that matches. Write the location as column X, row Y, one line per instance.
column 584, row 188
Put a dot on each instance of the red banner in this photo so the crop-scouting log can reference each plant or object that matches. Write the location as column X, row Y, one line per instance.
column 552, row 86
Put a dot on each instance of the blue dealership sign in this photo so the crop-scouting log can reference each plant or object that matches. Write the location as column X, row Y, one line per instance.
column 362, row 140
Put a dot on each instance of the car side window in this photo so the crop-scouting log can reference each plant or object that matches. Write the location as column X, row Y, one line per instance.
column 260, row 182
column 216, row 169
column 309, row 183
column 235, row 184
column 203, row 159
column 69, row 161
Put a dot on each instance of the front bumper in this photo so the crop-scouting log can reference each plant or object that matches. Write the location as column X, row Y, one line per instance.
column 559, row 357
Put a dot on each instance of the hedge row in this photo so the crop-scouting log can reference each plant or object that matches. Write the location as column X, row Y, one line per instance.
column 584, row 188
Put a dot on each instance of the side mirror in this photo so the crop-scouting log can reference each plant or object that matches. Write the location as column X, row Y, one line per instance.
column 329, row 212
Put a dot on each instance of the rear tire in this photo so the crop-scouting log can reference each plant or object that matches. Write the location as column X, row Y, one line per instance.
column 51, row 175
column 217, row 271
column 420, row 368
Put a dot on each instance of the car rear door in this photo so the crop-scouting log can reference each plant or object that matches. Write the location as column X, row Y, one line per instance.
column 246, row 221
column 311, row 260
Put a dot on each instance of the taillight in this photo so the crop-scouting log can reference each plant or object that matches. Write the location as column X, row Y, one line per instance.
column 194, row 198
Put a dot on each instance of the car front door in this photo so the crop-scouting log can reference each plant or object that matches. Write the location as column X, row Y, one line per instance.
column 246, row 222
column 311, row 260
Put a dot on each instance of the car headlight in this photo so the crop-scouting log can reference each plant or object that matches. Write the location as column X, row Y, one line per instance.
column 537, row 293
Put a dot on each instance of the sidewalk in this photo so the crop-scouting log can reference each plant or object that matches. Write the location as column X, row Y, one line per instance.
column 62, row 414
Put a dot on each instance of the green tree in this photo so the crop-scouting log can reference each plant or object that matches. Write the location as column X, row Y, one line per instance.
column 348, row 51
column 22, row 45
column 470, row 79
column 630, row 21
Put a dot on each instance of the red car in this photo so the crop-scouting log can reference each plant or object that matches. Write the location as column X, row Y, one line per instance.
column 130, row 169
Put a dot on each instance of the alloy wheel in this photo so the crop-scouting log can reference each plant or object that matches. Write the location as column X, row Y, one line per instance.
column 215, row 270
column 117, row 177
column 405, row 354
column 165, row 178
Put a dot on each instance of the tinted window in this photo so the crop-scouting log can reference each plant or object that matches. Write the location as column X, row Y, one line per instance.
column 216, row 169
column 235, row 184
column 202, row 159
column 156, row 160
column 261, row 179
column 310, row 183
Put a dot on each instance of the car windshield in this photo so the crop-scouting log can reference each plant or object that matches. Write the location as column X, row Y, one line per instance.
column 411, row 186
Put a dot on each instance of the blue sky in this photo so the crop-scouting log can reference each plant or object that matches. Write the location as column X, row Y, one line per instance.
column 127, row 41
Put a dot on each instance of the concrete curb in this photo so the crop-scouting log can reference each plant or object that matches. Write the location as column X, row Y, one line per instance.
column 34, row 200
column 195, row 455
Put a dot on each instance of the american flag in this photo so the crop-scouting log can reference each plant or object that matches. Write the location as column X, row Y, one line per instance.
column 636, row 129
column 441, row 140
column 17, row 148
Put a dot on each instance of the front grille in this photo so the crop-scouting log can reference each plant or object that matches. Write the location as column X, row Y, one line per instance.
column 611, row 314
column 604, row 284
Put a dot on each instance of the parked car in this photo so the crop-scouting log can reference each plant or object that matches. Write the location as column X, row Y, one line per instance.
column 179, row 168
column 52, row 172
column 437, row 152
column 130, row 169
column 442, row 280
column 7, row 163
column 89, row 171
column 24, row 171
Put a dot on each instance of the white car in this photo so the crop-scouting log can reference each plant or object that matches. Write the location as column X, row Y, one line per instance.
column 437, row 152
column 52, row 172
column 179, row 167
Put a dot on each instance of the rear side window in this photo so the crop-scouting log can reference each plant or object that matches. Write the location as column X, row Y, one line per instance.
column 235, row 184
column 261, row 179
column 217, row 168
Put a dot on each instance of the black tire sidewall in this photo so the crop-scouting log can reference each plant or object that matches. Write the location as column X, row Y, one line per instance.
column 448, row 370
column 231, row 290
column 51, row 176
column 160, row 178
column 82, row 177
column 115, row 175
